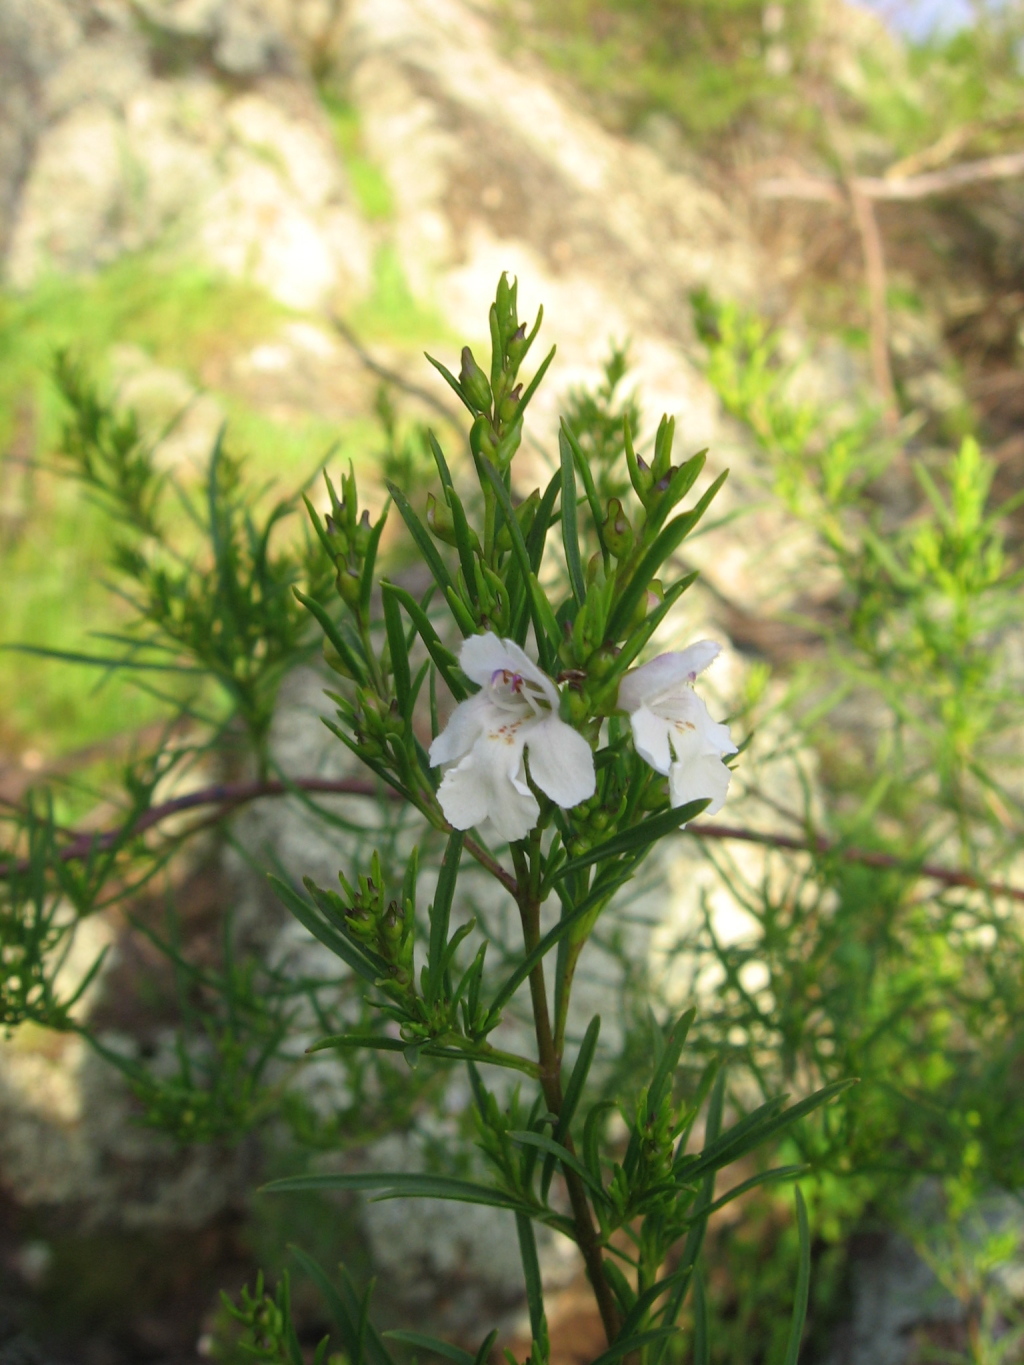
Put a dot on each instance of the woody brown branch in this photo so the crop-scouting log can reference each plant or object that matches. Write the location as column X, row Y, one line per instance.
column 229, row 796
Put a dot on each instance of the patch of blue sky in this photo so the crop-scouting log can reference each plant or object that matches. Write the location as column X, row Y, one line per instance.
column 922, row 18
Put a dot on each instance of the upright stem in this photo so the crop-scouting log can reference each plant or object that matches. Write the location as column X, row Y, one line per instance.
column 550, row 1058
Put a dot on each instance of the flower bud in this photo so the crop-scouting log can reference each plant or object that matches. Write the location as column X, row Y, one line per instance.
column 515, row 347
column 347, row 584
column 362, row 535
column 334, row 661
column 439, row 519
column 474, row 383
column 618, row 533
column 481, row 440
column 572, row 706
column 338, row 540
column 509, row 445
column 509, row 405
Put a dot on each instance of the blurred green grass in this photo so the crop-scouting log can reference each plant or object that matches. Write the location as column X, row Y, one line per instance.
column 54, row 549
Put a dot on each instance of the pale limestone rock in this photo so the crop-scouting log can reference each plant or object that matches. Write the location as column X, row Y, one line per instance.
column 180, row 421
column 491, row 169
column 70, row 208
column 250, row 180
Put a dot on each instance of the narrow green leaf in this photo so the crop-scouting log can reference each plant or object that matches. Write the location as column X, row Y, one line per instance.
column 661, row 1081
column 370, row 560
column 444, row 660
column 803, row 1284
column 633, row 840
column 464, row 617
column 699, row 1222
column 639, row 637
column 398, row 651
column 322, row 929
column 573, row 1095
column 701, row 1342
column 403, row 1185
column 440, row 916
column 101, row 661
column 534, row 383
column 531, row 1276
column 354, row 665
column 486, row 1346
column 428, row 1343
column 451, row 381
column 679, row 485
column 570, row 527
column 751, row 1132
column 444, row 473
column 563, row 1157
column 423, row 539
column 540, row 626
column 464, row 539
column 360, row 1338
column 541, row 522
column 597, row 512
column 772, row 1177
column 620, row 1286
column 665, row 545
column 627, row 1347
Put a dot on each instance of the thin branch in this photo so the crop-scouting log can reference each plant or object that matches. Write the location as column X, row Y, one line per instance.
column 1006, row 166
column 824, row 189
column 229, row 796
column 878, row 311
column 865, row 857
column 391, row 376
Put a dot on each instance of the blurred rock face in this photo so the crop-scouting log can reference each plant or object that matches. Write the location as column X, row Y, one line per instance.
column 126, row 124
column 193, row 125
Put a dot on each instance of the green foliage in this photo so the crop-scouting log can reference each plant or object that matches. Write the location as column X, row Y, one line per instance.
column 928, row 607
column 369, row 185
column 267, row 1331
column 851, row 969
column 963, row 86
column 224, row 610
column 705, row 63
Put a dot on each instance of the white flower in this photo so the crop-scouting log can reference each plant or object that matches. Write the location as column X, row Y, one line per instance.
column 516, row 709
column 672, row 729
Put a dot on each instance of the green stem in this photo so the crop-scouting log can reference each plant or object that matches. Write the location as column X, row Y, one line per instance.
column 550, row 1058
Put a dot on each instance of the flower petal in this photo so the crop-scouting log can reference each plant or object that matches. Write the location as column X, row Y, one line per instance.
column 561, row 762
column 650, row 738
column 665, row 673
column 465, row 724
column 484, row 655
column 686, row 714
column 698, row 778
column 483, row 786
